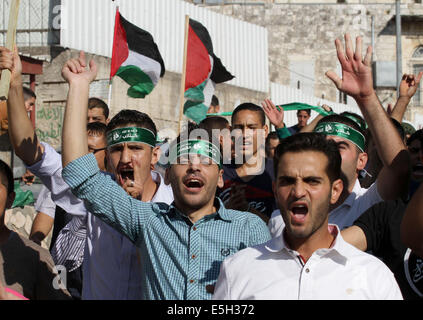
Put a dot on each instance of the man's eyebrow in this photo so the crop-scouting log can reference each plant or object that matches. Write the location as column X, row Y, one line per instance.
column 342, row 143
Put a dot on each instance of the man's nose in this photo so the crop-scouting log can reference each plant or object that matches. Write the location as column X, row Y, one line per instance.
column 298, row 190
column 125, row 156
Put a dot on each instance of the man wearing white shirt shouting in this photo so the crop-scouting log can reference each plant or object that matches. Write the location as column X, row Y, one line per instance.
column 392, row 181
column 310, row 260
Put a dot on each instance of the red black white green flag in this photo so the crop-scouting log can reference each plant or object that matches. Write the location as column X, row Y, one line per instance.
column 203, row 70
column 135, row 58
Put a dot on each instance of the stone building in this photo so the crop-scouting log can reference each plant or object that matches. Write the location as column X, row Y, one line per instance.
column 302, row 33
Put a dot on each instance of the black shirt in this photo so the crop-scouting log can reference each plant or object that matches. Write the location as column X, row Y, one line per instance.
column 258, row 191
column 381, row 225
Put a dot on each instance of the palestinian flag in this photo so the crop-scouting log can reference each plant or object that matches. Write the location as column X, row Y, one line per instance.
column 203, row 71
column 135, row 58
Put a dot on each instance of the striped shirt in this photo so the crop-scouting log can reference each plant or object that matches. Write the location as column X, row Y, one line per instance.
column 179, row 259
column 112, row 266
column 68, row 250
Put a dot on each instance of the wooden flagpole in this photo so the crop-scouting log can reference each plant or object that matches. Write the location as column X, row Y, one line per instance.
column 10, row 43
column 109, row 98
column 184, row 67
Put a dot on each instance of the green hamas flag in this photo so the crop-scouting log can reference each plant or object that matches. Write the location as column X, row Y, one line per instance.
column 135, row 58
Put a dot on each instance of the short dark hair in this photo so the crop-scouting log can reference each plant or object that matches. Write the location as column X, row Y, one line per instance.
column 127, row 116
column 250, row 107
column 98, row 103
column 214, row 101
column 306, row 110
column 28, row 93
column 418, row 135
column 213, row 122
column 347, row 121
column 8, row 174
column 311, row 141
column 97, row 128
column 271, row 136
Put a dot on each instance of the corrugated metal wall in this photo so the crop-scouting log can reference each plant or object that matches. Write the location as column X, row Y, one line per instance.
column 36, row 22
column 242, row 46
column 281, row 94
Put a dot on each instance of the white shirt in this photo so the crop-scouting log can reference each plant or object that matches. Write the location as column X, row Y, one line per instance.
column 343, row 216
column 272, row 271
column 112, row 265
column 44, row 203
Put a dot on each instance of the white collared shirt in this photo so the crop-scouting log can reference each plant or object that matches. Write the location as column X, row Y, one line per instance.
column 344, row 215
column 272, row 271
column 112, row 266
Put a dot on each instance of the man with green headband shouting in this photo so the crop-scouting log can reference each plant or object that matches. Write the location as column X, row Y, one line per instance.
column 181, row 245
column 357, row 82
column 112, row 266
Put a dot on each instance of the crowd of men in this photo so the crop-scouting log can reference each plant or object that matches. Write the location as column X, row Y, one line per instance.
column 327, row 209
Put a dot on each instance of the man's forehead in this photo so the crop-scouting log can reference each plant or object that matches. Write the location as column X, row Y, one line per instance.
column 96, row 111
column 302, row 113
column 303, row 161
column 247, row 116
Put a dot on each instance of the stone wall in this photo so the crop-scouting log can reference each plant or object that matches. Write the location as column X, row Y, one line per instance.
column 306, row 32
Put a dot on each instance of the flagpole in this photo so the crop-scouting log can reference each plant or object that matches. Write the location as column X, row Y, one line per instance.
column 181, row 107
column 109, row 99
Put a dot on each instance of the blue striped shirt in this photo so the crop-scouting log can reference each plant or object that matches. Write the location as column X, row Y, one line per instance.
column 179, row 259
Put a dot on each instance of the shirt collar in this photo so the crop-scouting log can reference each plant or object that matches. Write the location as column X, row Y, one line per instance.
column 277, row 244
column 221, row 211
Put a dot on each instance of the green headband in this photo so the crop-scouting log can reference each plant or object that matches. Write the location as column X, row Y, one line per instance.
column 343, row 131
column 131, row 134
column 361, row 124
column 201, row 147
column 286, row 107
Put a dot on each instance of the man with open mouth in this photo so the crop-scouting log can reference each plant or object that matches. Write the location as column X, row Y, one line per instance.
column 310, row 259
column 181, row 245
column 392, row 180
column 112, row 264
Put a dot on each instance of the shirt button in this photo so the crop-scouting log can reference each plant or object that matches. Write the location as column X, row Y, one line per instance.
column 191, row 281
column 193, row 256
column 307, row 270
column 194, row 228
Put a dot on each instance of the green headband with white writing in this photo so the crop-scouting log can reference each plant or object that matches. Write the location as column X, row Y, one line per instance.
column 286, row 107
column 343, row 131
column 200, row 147
column 131, row 134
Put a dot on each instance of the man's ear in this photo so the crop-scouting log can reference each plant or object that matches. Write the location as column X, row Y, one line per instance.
column 266, row 130
column 362, row 160
column 220, row 181
column 337, row 187
column 155, row 155
column 10, row 199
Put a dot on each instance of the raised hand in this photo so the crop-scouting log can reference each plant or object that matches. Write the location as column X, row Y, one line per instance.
column 75, row 70
column 135, row 187
column 9, row 60
column 357, row 80
column 409, row 85
column 275, row 116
